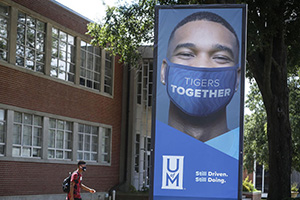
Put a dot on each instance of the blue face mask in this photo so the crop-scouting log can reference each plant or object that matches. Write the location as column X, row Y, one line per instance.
column 83, row 168
column 200, row 91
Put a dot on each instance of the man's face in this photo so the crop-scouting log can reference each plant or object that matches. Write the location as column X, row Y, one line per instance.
column 83, row 167
column 203, row 44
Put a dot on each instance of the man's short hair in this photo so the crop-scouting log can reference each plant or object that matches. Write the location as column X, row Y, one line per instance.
column 81, row 162
column 204, row 16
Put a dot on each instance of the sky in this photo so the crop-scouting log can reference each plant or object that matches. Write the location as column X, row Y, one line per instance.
column 91, row 9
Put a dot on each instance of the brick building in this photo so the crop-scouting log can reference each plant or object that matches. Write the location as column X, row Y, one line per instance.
column 61, row 100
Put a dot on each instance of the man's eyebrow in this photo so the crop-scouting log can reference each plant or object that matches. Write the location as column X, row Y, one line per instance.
column 224, row 48
column 185, row 45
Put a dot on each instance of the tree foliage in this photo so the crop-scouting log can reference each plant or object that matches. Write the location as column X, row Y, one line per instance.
column 264, row 22
column 255, row 132
column 125, row 29
column 294, row 86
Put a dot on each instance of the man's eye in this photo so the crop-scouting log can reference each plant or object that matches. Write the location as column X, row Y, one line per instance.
column 185, row 54
column 222, row 59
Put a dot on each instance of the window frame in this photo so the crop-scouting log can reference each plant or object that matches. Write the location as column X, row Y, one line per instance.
column 90, row 134
column 84, row 63
column 68, row 56
column 109, row 73
column 15, row 117
column 23, row 46
column 7, row 18
column 144, row 83
column 65, row 132
column 3, row 122
column 21, row 144
column 103, row 139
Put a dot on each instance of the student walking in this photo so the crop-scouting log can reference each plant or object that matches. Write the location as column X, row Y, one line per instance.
column 76, row 183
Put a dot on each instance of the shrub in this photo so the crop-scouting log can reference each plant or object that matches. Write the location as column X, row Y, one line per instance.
column 294, row 187
column 248, row 185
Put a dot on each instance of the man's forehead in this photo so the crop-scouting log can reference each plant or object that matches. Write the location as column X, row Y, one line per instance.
column 193, row 27
column 206, row 27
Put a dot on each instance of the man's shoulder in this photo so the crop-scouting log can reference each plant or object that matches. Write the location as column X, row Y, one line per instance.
column 75, row 175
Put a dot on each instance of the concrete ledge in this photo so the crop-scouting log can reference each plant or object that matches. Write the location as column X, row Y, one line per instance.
column 252, row 195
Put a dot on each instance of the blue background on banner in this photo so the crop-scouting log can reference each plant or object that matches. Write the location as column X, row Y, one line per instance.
column 168, row 18
column 198, row 156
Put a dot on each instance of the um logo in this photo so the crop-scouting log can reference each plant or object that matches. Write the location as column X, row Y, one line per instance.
column 172, row 172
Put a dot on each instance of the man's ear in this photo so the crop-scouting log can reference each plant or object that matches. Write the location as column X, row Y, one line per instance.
column 238, row 79
column 163, row 72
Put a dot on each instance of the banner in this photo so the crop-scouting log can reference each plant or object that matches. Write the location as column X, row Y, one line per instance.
column 198, row 102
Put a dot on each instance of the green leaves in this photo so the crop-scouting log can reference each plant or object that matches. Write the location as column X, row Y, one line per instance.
column 125, row 29
column 294, row 86
column 255, row 134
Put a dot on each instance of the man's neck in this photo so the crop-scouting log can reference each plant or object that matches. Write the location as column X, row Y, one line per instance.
column 79, row 170
column 201, row 128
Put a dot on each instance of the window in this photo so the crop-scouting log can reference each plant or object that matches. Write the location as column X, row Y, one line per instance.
column 95, row 68
column 60, row 139
column 147, row 144
column 139, row 87
column 2, row 132
column 90, row 66
column 145, row 83
column 108, row 73
column 4, row 32
column 30, row 50
column 63, row 55
column 27, row 135
column 137, row 153
column 106, row 139
column 261, row 179
column 92, row 143
column 87, row 143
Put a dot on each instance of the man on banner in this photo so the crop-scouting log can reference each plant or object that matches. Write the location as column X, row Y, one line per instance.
column 201, row 74
column 200, row 61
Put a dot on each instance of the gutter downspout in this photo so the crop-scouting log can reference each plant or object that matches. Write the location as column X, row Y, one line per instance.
column 124, row 130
